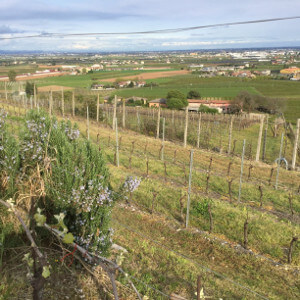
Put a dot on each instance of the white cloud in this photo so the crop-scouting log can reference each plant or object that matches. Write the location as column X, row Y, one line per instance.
column 203, row 43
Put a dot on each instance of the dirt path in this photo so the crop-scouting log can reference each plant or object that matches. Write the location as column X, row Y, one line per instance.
column 24, row 77
column 150, row 75
column 54, row 88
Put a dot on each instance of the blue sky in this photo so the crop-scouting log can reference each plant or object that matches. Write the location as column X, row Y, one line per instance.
column 73, row 16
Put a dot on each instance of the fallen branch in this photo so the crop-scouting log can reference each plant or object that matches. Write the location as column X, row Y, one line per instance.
column 102, row 261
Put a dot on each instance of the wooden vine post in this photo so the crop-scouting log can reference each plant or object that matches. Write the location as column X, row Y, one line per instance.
column 198, row 287
column 199, row 130
column 259, row 138
column 290, row 252
column 117, row 143
column 241, row 174
column 186, row 127
column 230, row 134
column 279, row 161
column 34, row 96
column 87, row 123
column 5, row 88
column 98, row 107
column 265, row 139
column 158, row 123
column 163, row 140
column 73, row 104
column 62, row 102
column 123, row 114
column 189, row 190
column 115, row 112
column 296, row 145
column 50, row 103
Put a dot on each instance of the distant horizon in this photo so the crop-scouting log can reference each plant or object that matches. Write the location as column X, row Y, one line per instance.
column 2, row 51
column 150, row 25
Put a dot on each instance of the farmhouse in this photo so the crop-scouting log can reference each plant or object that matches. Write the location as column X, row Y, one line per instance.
column 134, row 98
column 97, row 67
column 221, row 105
column 161, row 102
column 290, row 71
column 96, row 87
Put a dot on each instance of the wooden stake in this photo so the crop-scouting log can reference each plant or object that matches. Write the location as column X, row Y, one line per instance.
column 34, row 95
column 294, row 239
column 259, row 138
column 73, row 104
column 50, row 103
column 198, row 287
column 230, row 134
column 98, row 106
column 87, row 123
column 117, row 143
column 163, row 140
column 189, row 190
column 296, row 145
column 62, row 102
column 241, row 175
column 124, row 114
column 261, row 195
column 245, row 244
column 279, row 161
column 199, row 130
column 5, row 88
column 115, row 112
column 158, row 123
column 186, row 127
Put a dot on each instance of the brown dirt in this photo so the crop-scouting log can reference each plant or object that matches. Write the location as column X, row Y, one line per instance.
column 151, row 75
column 54, row 88
column 24, row 78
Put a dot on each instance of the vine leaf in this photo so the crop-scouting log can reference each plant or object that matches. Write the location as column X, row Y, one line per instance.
column 46, row 271
column 68, row 238
column 39, row 218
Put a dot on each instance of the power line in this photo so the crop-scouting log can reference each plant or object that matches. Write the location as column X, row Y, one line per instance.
column 170, row 30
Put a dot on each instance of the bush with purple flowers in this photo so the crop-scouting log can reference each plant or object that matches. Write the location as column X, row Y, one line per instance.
column 65, row 173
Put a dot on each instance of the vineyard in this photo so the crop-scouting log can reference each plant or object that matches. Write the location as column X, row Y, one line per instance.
column 198, row 206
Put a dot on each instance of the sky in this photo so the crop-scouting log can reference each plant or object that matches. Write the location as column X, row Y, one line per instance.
column 40, row 17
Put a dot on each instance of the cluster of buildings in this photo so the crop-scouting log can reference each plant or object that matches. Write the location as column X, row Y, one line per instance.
column 293, row 73
column 222, row 106
column 118, row 85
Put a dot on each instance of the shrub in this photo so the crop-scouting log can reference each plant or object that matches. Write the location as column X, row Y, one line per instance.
column 64, row 173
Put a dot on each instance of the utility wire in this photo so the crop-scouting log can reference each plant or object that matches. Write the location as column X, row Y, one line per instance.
column 170, row 30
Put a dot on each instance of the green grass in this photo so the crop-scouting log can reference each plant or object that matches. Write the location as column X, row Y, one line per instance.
column 166, row 270
column 220, row 87
column 85, row 81
column 161, row 92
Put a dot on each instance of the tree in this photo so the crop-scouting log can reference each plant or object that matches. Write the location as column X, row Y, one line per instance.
column 12, row 75
column 176, row 100
column 192, row 94
column 248, row 102
column 29, row 89
column 206, row 109
column 245, row 100
column 131, row 84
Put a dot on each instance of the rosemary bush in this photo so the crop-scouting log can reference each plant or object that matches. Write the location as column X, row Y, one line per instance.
column 62, row 174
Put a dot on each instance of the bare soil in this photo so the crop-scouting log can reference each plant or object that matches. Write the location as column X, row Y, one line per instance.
column 151, row 75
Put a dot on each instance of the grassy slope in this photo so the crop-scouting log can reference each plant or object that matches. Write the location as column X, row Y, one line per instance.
column 171, row 273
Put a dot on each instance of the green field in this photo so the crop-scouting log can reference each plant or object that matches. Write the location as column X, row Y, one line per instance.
column 220, row 87
column 160, row 92
column 85, row 81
